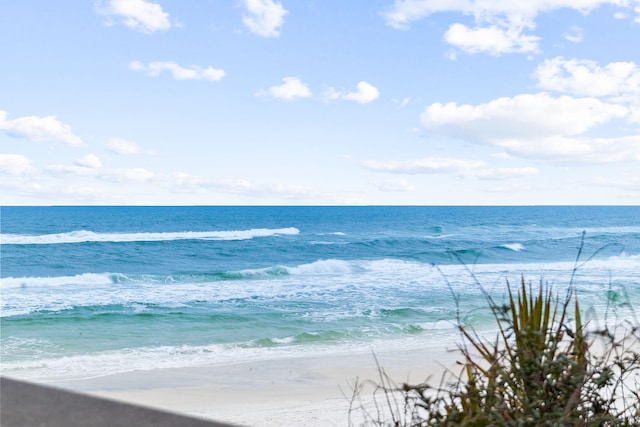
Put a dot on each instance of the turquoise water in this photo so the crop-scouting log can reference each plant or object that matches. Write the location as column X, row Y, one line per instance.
column 92, row 290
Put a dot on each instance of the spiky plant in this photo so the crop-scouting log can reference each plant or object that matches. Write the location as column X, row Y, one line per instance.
column 540, row 370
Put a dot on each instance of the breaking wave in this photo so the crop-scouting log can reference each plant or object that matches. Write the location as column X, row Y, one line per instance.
column 83, row 236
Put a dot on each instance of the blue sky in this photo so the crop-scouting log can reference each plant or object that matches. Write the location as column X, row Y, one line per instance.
column 320, row 102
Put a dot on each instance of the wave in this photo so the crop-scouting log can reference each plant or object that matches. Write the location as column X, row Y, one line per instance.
column 329, row 266
column 316, row 268
column 516, row 247
column 89, row 279
column 321, row 267
column 51, row 367
column 83, row 236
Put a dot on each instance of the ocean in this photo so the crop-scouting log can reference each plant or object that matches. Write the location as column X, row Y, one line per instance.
column 89, row 291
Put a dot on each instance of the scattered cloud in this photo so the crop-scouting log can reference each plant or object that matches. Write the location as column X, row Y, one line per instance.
column 620, row 80
column 111, row 175
column 404, row 12
column 139, row 15
column 494, row 39
column 364, row 94
column 473, row 169
column 124, row 147
column 127, row 175
column 193, row 72
column 39, row 129
column 500, row 174
column 185, row 183
column 180, row 182
column 530, row 115
column 331, row 94
column 575, row 34
column 394, row 185
column 537, row 126
column 89, row 161
column 499, row 25
column 402, row 102
column 88, row 180
column 551, row 128
column 15, row 164
column 510, row 188
column 264, row 17
column 291, row 88
column 427, row 165
column 61, row 171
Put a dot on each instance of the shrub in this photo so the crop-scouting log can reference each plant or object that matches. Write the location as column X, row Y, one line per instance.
column 544, row 368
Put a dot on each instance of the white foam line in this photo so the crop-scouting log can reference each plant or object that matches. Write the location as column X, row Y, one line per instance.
column 83, row 236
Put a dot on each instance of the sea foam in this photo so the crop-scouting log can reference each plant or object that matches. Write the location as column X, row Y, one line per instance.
column 516, row 247
column 83, row 236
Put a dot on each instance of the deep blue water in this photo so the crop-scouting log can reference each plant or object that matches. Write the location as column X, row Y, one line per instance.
column 93, row 290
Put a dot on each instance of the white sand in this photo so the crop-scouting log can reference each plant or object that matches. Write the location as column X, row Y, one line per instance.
column 309, row 391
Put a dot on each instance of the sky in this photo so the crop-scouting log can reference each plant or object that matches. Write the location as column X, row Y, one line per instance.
column 320, row 102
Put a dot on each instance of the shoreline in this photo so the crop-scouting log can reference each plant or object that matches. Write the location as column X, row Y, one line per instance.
column 311, row 391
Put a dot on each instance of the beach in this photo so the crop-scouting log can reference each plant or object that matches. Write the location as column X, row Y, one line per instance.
column 310, row 391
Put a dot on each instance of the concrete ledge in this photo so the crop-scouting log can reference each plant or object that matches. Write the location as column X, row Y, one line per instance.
column 24, row 404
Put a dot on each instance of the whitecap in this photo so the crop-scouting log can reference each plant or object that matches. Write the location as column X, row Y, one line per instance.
column 516, row 247
column 84, row 236
column 79, row 279
column 328, row 266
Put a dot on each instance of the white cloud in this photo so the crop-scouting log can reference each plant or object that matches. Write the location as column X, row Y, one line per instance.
column 193, row 72
column 473, row 169
column 493, row 39
column 427, row 165
column 180, row 182
column 15, row 164
column 405, row 11
column 394, row 185
column 528, row 115
column 65, row 170
column 498, row 24
column 264, row 17
column 634, row 115
column 291, row 88
column 186, row 183
column 403, row 102
column 574, row 35
column 39, row 129
column 127, row 175
column 511, row 188
column 22, row 187
column 89, row 161
column 500, row 173
column 364, row 94
column 139, row 15
column 124, row 147
column 112, row 175
column 537, row 126
column 587, row 78
column 331, row 94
